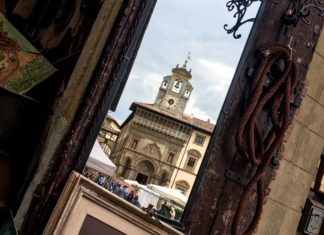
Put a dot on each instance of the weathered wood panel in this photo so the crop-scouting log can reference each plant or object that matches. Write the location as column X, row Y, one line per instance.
column 215, row 203
column 75, row 148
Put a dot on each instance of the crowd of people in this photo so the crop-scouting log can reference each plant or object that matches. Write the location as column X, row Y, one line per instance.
column 115, row 187
column 129, row 194
column 123, row 192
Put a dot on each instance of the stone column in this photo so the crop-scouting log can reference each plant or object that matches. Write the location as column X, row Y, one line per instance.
column 132, row 174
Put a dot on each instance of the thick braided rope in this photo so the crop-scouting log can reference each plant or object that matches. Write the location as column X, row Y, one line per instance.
column 257, row 148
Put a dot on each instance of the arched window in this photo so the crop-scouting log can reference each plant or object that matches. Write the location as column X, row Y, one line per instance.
column 170, row 158
column 183, row 186
column 176, row 86
column 164, row 84
column 187, row 93
column 146, row 166
column 106, row 148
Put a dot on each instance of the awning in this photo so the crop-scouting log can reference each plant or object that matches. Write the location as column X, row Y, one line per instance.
column 173, row 194
column 145, row 195
column 133, row 183
column 99, row 161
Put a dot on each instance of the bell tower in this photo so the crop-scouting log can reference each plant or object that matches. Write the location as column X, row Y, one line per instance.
column 175, row 90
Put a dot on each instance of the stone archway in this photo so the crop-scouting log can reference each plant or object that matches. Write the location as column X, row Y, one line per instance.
column 145, row 171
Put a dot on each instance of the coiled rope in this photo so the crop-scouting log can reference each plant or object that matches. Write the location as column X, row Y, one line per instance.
column 252, row 144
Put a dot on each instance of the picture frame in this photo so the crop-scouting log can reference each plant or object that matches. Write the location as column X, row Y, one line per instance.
column 84, row 205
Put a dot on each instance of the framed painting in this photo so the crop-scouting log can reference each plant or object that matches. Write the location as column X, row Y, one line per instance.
column 22, row 66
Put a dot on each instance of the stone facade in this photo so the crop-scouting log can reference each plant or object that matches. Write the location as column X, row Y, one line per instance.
column 301, row 154
column 158, row 143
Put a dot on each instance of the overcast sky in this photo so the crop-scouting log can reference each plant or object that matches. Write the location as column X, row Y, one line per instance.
column 177, row 27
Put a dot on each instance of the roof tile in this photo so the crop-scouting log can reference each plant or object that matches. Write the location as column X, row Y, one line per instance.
column 189, row 119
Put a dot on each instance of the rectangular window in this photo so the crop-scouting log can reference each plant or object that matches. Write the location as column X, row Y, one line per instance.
column 108, row 136
column 199, row 139
column 190, row 163
column 114, row 137
column 134, row 144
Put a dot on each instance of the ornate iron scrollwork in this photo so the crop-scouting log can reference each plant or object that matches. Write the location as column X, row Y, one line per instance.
column 241, row 8
column 298, row 10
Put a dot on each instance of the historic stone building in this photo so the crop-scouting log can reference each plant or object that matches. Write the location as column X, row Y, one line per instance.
column 158, row 143
column 108, row 134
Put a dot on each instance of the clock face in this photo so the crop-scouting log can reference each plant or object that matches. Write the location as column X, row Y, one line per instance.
column 170, row 101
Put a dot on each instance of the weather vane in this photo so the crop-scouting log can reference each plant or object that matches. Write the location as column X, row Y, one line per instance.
column 186, row 61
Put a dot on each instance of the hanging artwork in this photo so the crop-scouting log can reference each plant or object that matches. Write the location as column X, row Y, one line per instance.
column 21, row 65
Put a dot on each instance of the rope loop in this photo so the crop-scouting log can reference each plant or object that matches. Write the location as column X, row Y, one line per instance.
column 254, row 145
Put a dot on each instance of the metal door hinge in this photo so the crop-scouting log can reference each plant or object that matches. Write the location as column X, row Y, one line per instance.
column 238, row 178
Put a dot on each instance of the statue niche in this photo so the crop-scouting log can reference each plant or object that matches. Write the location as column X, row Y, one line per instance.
column 152, row 150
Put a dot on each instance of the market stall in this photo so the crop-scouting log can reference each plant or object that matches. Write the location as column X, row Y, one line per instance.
column 173, row 194
column 99, row 161
column 145, row 195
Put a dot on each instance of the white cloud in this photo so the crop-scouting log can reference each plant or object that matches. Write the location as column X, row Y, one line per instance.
column 177, row 27
column 217, row 69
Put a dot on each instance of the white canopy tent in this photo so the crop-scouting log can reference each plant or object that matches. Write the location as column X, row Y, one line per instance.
column 99, row 161
column 145, row 195
column 133, row 183
column 173, row 194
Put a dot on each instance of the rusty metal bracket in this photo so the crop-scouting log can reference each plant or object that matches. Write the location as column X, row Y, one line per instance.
column 240, row 179
column 241, row 7
column 300, row 10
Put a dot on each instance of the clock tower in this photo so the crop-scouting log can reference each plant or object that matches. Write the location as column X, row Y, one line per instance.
column 175, row 91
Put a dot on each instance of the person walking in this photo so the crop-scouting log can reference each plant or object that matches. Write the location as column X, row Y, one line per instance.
column 130, row 196
column 122, row 192
column 135, row 201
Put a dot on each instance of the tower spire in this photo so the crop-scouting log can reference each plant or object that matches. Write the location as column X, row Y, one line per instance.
column 187, row 59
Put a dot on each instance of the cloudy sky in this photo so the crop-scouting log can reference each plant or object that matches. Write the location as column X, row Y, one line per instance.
column 177, row 27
